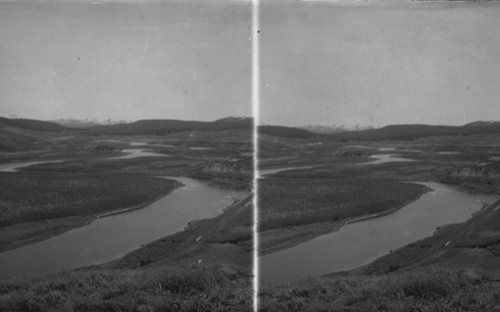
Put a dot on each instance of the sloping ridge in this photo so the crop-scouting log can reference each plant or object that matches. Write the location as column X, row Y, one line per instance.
column 36, row 125
column 410, row 132
column 140, row 127
column 287, row 132
column 164, row 126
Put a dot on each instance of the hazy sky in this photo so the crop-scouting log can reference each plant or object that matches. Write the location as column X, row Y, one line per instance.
column 337, row 63
column 125, row 59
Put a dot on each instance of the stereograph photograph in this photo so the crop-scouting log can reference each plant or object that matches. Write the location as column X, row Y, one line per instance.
column 127, row 168
column 238, row 155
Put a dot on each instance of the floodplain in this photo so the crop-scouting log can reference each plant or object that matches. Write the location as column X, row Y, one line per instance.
column 345, row 215
column 143, row 222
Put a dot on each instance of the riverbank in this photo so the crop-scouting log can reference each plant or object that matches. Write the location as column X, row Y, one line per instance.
column 283, row 238
column 141, row 205
column 391, row 210
column 112, row 237
column 226, row 238
column 360, row 243
column 57, row 203
column 331, row 204
column 455, row 269
column 475, row 241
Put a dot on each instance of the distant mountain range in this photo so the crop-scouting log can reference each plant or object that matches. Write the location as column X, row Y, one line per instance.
column 141, row 127
column 391, row 132
column 165, row 126
column 85, row 123
column 410, row 132
column 287, row 132
column 321, row 129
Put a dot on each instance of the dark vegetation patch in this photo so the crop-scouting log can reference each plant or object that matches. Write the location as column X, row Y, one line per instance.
column 89, row 165
column 174, row 288
column 298, row 202
column 237, row 174
column 29, row 197
column 483, row 178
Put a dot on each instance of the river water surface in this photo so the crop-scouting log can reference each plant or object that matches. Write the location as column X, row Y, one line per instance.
column 136, row 152
column 385, row 158
column 360, row 243
column 112, row 237
column 264, row 172
column 12, row 167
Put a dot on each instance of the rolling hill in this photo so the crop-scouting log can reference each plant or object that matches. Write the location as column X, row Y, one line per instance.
column 391, row 132
column 33, row 124
column 165, row 126
column 287, row 132
column 29, row 134
column 410, row 132
column 140, row 127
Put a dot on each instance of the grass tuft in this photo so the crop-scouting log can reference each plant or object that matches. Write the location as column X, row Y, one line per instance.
column 430, row 290
column 176, row 288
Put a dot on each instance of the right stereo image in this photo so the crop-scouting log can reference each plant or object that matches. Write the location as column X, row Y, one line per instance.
column 378, row 156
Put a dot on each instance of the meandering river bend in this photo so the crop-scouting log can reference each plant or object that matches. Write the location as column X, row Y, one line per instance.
column 360, row 243
column 112, row 237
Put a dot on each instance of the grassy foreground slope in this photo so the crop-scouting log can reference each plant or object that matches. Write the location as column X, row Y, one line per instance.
column 417, row 291
column 183, row 288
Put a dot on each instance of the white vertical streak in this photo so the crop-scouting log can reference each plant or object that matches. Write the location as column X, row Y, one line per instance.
column 255, row 113
column 145, row 49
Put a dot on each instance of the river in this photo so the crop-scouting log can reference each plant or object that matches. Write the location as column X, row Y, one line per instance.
column 385, row 158
column 264, row 172
column 112, row 237
column 358, row 244
column 12, row 167
column 136, row 152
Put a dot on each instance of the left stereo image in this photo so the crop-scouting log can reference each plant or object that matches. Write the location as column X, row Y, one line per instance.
column 126, row 156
